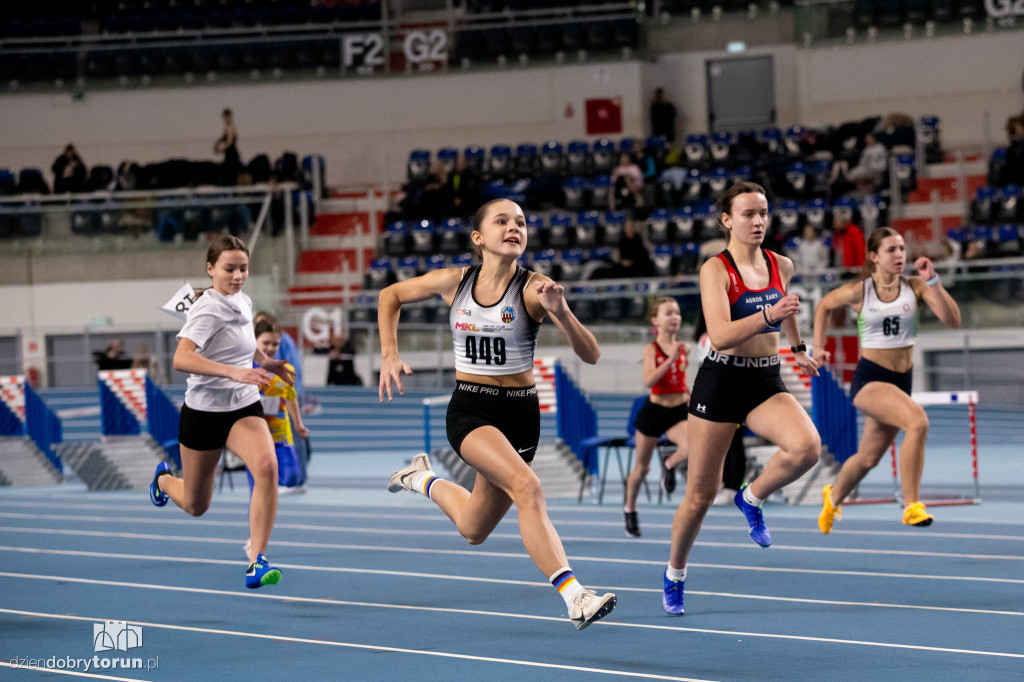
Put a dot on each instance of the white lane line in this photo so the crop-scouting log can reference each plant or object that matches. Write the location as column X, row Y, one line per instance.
column 489, row 579
column 315, row 511
column 502, row 555
column 5, row 664
column 506, row 536
column 378, row 647
column 603, row 623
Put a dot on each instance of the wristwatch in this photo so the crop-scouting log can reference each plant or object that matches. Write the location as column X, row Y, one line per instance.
column 802, row 348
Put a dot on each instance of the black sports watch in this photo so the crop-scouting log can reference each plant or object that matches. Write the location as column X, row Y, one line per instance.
column 802, row 348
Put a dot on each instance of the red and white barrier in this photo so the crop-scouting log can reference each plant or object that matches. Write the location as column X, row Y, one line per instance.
column 129, row 385
column 12, row 392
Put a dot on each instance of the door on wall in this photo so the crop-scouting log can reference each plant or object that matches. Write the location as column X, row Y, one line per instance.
column 741, row 93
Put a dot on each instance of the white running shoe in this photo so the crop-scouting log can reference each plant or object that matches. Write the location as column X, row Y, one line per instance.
column 723, row 497
column 587, row 608
column 248, row 549
column 402, row 479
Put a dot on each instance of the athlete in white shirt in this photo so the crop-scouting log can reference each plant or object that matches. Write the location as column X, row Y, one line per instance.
column 887, row 305
column 222, row 407
column 494, row 417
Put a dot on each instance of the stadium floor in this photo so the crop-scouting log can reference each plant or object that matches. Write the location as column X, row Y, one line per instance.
column 379, row 587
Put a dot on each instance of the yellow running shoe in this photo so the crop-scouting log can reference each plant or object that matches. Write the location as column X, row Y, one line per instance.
column 828, row 512
column 915, row 515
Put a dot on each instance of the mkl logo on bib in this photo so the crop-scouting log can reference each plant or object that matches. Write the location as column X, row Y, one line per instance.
column 507, row 314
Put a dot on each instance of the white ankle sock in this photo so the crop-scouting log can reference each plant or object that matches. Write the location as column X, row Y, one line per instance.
column 566, row 584
column 424, row 481
column 675, row 573
column 750, row 499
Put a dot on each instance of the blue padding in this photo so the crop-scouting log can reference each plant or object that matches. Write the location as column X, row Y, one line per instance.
column 43, row 426
column 115, row 418
column 162, row 421
column 10, row 425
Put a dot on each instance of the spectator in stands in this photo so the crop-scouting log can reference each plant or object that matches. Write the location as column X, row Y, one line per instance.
column 462, row 190
column 143, row 360
column 663, row 117
column 227, row 144
column 634, row 256
column 848, row 250
column 898, row 131
column 627, row 188
column 1013, row 170
column 69, row 172
column 341, row 370
column 867, row 175
column 810, row 255
column 114, row 356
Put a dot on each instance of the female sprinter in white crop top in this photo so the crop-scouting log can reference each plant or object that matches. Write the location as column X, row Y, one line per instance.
column 222, row 407
column 494, row 416
column 887, row 305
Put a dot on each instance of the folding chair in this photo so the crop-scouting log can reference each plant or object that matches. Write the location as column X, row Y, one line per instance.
column 616, row 445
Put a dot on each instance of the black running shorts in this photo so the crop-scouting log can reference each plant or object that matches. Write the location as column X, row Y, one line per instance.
column 513, row 411
column 654, row 420
column 200, row 430
column 728, row 387
column 868, row 371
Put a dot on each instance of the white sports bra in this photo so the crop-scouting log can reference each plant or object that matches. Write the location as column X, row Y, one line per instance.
column 888, row 325
column 497, row 339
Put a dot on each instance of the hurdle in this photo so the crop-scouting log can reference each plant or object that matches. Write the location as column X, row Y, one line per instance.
column 924, row 399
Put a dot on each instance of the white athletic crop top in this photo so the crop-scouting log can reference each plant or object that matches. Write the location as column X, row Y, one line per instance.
column 221, row 328
column 496, row 339
column 888, row 325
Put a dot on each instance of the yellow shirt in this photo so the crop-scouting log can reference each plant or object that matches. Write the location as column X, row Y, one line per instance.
column 275, row 410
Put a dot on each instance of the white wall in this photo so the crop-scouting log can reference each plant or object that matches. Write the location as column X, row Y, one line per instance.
column 364, row 128
column 960, row 79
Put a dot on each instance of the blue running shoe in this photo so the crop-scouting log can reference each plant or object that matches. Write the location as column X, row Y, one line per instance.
column 755, row 519
column 261, row 573
column 672, row 599
column 157, row 496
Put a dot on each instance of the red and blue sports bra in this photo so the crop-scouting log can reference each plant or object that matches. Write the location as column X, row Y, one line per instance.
column 674, row 379
column 744, row 302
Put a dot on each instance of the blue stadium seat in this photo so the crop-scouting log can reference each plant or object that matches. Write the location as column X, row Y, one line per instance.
column 816, row 213
column 407, row 267
column 689, row 257
column 418, row 166
column 771, row 140
column 742, row 173
column 434, row 262
column 683, row 226
column 462, row 260
column 906, row 172
column 31, row 181
column 789, row 217
column 627, row 145
column 499, row 162
column 873, row 213
column 797, row 180
column 1008, row 205
column 844, row 210
column 602, row 156
column 536, row 232
column 600, row 192
column 423, row 237
column 475, row 158
column 928, row 137
column 614, row 225
column 452, row 236
column 820, row 172
column 7, row 183
column 587, row 227
column 664, row 259
column 577, row 161
column 396, row 238
column 792, row 143
column 571, row 265
column 981, row 233
column 721, row 147
column 696, row 149
column 717, row 182
column 561, row 229
column 526, row 160
column 957, row 234
column 574, row 194
column 659, row 227
column 543, row 262
column 1008, row 240
column 551, row 160
column 693, row 186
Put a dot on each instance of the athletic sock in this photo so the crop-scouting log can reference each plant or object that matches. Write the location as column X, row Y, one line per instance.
column 424, row 481
column 565, row 582
column 749, row 497
column 675, row 573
